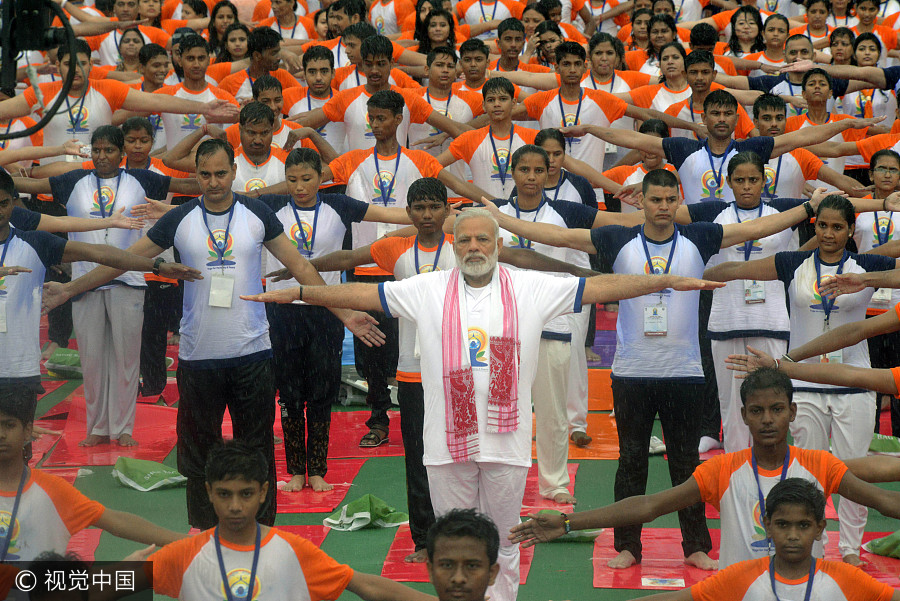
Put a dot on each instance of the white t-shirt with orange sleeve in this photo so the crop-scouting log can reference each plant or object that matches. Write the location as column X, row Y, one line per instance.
column 180, row 125
column 78, row 117
column 490, row 163
column 686, row 110
column 633, row 174
column 289, row 567
column 727, row 483
column 351, row 77
column 849, row 135
column 303, row 29
column 404, row 257
column 299, row 100
column 386, row 17
column 106, row 46
column 460, row 106
column 751, row 581
column 349, row 107
column 251, row 176
column 279, row 136
column 357, row 169
column 658, row 96
column 240, row 84
column 478, row 11
column 50, row 511
column 786, row 174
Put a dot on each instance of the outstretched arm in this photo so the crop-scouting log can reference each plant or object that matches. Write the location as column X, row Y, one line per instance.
column 362, row 297
column 848, row 334
column 51, row 223
column 133, row 527
column 462, row 187
column 342, row 260
column 545, row 233
column 608, row 288
column 621, row 137
column 524, row 258
column 883, row 500
column 761, row 269
column 809, row 136
column 756, row 229
column 875, row 468
column 378, row 588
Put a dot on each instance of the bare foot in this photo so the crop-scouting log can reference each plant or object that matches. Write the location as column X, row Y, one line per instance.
column 703, row 561
column 420, row 556
column 854, row 560
column 591, row 355
column 621, row 561
column 295, row 484
column 564, row 498
column 126, row 440
column 318, row 484
column 93, row 440
column 48, row 352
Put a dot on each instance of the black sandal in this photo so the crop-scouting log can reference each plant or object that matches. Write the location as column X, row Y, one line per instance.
column 375, row 438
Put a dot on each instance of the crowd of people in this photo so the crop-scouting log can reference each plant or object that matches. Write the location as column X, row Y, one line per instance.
column 481, row 176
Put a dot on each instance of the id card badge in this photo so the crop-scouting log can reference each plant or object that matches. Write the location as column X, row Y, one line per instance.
column 383, row 229
column 754, row 292
column 3, row 316
column 832, row 357
column 882, row 296
column 656, row 321
column 221, row 290
column 611, row 148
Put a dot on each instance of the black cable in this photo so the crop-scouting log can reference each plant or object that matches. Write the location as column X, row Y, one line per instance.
column 67, row 84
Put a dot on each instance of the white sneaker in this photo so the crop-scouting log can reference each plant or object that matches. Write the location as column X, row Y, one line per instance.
column 657, row 447
column 707, row 443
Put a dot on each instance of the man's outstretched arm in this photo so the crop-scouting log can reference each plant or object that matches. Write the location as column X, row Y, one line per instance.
column 608, row 288
column 362, row 297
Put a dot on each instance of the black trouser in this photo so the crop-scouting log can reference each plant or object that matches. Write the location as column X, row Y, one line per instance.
column 248, row 392
column 883, row 355
column 307, row 343
column 710, row 412
column 636, row 404
column 162, row 309
column 411, row 397
column 59, row 319
column 378, row 363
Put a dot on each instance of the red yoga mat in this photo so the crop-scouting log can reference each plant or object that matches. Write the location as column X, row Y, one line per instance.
column 341, row 473
column 314, row 534
column 84, row 544
column 397, row 569
column 348, row 427
column 154, row 429
column 532, row 501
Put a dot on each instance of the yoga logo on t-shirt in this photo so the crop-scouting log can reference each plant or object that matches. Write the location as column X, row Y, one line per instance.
column 254, row 184
column 296, row 237
column 500, row 159
column 882, row 229
column 78, row 119
column 191, row 121
column 3, row 286
column 817, row 296
column 760, row 540
column 709, row 189
column 219, row 247
column 755, row 247
column 368, row 133
column 520, row 241
column 107, row 197
column 379, row 25
column 239, row 583
column 477, row 347
column 381, row 183
column 657, row 266
column 768, row 189
column 12, row 552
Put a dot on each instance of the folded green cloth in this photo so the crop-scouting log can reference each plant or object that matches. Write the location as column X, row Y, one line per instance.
column 65, row 363
column 144, row 475
column 889, row 546
column 367, row 511
column 575, row 536
column 885, row 445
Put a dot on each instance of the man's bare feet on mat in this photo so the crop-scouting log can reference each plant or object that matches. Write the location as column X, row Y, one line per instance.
column 93, row 440
column 318, row 484
column 564, row 498
column 420, row 556
column 295, row 484
column 126, row 440
column 703, row 561
column 854, row 560
column 48, row 352
column 621, row 561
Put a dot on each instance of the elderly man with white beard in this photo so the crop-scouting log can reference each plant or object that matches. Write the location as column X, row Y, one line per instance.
column 479, row 329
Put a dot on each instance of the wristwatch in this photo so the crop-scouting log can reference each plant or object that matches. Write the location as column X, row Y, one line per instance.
column 159, row 261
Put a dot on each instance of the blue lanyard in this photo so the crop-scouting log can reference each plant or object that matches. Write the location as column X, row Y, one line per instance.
column 250, row 79
column 3, row 256
column 339, row 44
column 562, row 112
column 502, row 169
column 306, row 246
column 80, row 106
column 809, row 581
column 449, row 98
column 493, row 14
column 748, row 244
column 386, row 196
column 100, row 202
column 309, row 105
column 591, row 7
column 784, row 469
column 827, row 303
column 612, row 81
column 15, row 511
column 219, row 245
column 773, row 190
column 252, row 582
column 717, row 175
column 881, row 239
column 556, row 188
column 650, row 259
column 437, row 255
column 8, row 127
column 536, row 213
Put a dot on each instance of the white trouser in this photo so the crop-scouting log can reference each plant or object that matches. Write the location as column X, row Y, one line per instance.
column 108, row 328
column 850, row 421
column 577, row 397
column 494, row 489
column 548, row 393
column 735, row 433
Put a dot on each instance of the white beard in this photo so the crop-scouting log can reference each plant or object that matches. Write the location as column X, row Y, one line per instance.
column 479, row 269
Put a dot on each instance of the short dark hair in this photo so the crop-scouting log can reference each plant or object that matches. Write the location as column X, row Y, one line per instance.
column 868, row 37
column 7, row 184
column 659, row 177
column 697, row 57
column 744, row 157
column 551, row 133
column 263, row 83
column 81, row 47
column 256, row 112
column 529, row 149
column 655, row 126
column 150, row 51
column 210, row 147
column 796, row 491
column 601, row 37
column 441, row 51
column 134, row 30
column 817, row 71
column 193, row 41
column 884, row 152
column 262, row 39
column 500, row 84
column 318, row 53
column 133, row 123
column 545, row 6
column 766, row 378
column 17, row 400
column 304, row 156
column 827, row 4
column 474, row 45
column 839, row 204
column 109, row 133
column 235, row 459
column 797, row 36
column 426, row 188
column 350, row 8
column 839, row 32
column 375, row 46
column 722, row 98
column 388, row 100
column 510, row 24
column 198, row 6
column 768, row 101
column 572, row 48
column 361, row 30
column 704, row 34
column 459, row 523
